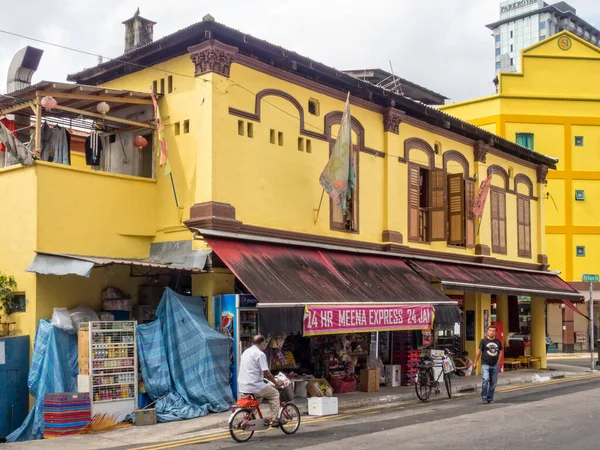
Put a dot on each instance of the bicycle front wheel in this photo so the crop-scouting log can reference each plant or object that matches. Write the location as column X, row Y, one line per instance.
column 290, row 418
column 448, row 383
column 423, row 385
column 239, row 428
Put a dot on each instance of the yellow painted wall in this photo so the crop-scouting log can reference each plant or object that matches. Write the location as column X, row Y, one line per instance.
column 548, row 139
column 94, row 213
column 189, row 153
column 491, row 127
column 587, row 157
column 18, row 239
column 555, row 205
column 584, row 212
column 556, row 247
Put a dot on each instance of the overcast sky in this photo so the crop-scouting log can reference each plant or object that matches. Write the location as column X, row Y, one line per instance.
column 440, row 44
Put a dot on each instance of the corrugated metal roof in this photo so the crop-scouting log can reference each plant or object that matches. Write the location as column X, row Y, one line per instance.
column 302, row 275
column 64, row 264
column 496, row 281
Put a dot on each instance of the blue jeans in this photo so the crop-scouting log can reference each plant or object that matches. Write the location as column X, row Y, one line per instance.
column 489, row 379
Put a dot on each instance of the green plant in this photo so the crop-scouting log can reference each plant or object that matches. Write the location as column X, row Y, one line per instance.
column 8, row 302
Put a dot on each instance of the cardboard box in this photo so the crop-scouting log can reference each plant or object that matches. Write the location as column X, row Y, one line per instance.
column 369, row 380
column 392, row 375
column 312, row 387
column 322, row 406
column 83, row 349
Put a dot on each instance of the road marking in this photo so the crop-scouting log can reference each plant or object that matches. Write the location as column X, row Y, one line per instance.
column 225, row 434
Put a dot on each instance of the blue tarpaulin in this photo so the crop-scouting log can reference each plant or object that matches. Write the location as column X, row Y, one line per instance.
column 185, row 363
column 53, row 369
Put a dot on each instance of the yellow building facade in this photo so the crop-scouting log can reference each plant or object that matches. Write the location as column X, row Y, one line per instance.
column 552, row 107
column 249, row 128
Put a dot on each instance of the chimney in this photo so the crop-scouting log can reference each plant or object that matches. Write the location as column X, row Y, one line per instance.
column 138, row 32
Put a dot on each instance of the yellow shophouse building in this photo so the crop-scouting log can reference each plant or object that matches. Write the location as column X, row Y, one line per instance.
column 249, row 127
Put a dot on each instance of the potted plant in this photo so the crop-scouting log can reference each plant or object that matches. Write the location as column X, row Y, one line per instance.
column 8, row 302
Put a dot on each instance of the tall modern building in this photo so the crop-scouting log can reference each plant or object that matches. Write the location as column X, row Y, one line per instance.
column 525, row 22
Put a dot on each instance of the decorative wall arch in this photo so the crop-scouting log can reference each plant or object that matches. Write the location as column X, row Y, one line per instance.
column 419, row 144
column 453, row 155
column 499, row 170
column 329, row 118
column 522, row 178
column 334, row 118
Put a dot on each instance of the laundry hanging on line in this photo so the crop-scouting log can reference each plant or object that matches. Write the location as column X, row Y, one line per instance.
column 93, row 149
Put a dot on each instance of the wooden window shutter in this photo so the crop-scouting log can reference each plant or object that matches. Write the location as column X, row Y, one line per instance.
column 526, row 228
column 413, row 202
column 470, row 216
column 498, row 210
column 495, row 225
column 523, row 227
column 456, row 206
column 502, row 221
column 437, row 204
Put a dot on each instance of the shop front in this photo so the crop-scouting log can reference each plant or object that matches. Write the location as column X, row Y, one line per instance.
column 353, row 319
column 485, row 288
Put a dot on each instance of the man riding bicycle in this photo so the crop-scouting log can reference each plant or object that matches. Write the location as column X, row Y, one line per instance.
column 253, row 370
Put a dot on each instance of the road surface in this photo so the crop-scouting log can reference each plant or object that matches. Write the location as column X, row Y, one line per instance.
column 555, row 416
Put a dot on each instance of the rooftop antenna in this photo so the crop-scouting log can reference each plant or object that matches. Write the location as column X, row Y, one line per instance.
column 391, row 83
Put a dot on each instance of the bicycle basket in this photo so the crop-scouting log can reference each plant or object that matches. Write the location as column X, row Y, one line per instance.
column 426, row 363
column 286, row 394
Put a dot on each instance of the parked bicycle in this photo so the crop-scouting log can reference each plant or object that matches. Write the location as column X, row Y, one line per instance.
column 246, row 417
column 426, row 381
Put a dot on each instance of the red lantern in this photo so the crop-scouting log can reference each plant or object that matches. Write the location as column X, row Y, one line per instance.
column 140, row 142
column 49, row 102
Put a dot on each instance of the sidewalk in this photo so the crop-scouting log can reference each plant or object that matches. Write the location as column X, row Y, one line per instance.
column 218, row 422
column 569, row 355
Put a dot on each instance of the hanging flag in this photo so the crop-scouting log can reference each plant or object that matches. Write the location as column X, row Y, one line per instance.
column 482, row 195
column 338, row 177
column 160, row 136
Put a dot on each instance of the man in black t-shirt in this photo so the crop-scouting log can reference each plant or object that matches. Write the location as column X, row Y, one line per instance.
column 490, row 350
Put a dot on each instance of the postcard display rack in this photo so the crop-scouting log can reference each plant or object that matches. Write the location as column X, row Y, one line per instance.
column 113, row 368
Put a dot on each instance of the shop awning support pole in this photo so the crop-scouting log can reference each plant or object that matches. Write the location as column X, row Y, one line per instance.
column 592, row 326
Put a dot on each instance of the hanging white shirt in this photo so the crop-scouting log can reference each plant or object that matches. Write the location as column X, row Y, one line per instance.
column 250, row 375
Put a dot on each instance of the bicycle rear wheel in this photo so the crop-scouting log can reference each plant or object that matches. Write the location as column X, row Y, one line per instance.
column 290, row 418
column 448, row 383
column 238, row 425
column 423, row 385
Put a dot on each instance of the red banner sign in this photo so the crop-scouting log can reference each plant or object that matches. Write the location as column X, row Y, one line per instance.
column 336, row 319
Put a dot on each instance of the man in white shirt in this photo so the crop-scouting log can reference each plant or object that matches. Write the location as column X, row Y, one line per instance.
column 253, row 370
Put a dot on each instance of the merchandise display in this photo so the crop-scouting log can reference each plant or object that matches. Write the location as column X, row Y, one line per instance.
column 113, row 367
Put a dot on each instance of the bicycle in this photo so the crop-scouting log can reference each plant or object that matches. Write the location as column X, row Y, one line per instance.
column 243, row 421
column 425, row 380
